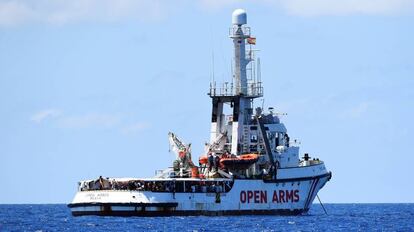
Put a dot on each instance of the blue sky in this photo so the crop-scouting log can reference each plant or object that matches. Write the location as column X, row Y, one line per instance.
column 91, row 88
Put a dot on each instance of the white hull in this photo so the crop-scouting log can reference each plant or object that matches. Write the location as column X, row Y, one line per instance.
column 280, row 197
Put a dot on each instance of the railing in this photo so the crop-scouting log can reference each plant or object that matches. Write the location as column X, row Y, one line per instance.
column 170, row 185
column 234, row 31
column 226, row 90
column 294, row 143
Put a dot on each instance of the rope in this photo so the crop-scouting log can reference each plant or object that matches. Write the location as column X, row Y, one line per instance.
column 323, row 207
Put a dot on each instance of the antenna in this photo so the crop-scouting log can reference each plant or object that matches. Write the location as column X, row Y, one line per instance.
column 231, row 70
column 263, row 103
column 253, row 64
column 212, row 53
column 259, row 71
column 212, row 60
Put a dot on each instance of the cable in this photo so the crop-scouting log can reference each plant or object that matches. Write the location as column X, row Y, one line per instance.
column 321, row 204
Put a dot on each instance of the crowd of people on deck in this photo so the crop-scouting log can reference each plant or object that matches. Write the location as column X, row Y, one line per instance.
column 202, row 186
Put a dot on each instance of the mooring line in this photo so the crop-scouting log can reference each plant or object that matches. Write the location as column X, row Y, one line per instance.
column 323, row 207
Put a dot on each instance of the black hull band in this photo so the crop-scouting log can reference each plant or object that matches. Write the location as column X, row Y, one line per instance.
column 162, row 205
column 167, row 213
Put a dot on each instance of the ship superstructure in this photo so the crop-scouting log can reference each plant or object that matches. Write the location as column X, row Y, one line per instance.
column 250, row 165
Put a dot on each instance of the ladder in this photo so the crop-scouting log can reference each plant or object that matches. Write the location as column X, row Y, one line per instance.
column 265, row 139
column 246, row 139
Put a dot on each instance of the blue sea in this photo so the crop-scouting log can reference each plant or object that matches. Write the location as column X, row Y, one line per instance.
column 340, row 217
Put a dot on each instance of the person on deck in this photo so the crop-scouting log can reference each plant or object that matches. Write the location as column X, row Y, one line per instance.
column 210, row 161
column 287, row 140
column 216, row 162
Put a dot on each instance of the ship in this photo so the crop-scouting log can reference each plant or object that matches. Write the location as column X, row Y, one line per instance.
column 250, row 166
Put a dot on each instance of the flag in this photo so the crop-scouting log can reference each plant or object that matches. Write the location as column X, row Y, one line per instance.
column 251, row 40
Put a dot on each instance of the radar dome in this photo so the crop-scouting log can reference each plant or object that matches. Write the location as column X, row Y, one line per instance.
column 239, row 17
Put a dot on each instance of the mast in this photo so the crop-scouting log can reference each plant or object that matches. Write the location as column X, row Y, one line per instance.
column 239, row 34
column 240, row 93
